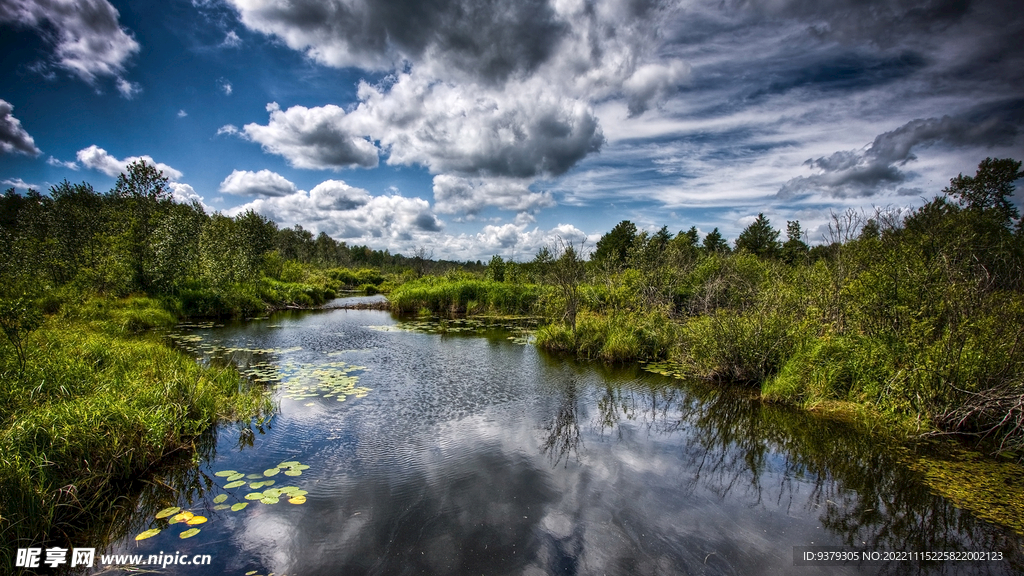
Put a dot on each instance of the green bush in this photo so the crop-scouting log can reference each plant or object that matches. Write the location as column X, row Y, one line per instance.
column 737, row 346
column 619, row 337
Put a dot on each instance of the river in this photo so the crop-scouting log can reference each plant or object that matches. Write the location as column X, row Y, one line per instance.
column 401, row 450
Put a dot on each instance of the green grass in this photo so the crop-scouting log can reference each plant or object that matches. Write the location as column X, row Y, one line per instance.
column 615, row 337
column 452, row 296
column 97, row 406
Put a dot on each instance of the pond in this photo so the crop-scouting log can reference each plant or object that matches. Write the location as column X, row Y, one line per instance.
column 397, row 450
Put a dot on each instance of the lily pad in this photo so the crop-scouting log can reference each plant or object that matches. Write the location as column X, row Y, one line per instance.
column 221, row 507
column 196, row 520
column 239, row 506
column 272, row 493
column 148, row 534
column 254, row 496
column 235, row 484
column 181, row 517
column 288, row 464
column 271, row 472
column 168, row 512
column 297, row 500
column 293, row 473
column 269, row 500
column 189, row 533
column 300, row 467
column 225, row 473
column 254, row 476
column 287, row 489
column 269, row 482
column 220, row 498
column 298, row 493
column 235, row 476
column 256, row 485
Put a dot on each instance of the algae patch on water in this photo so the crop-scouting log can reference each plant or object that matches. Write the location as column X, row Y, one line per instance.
column 991, row 489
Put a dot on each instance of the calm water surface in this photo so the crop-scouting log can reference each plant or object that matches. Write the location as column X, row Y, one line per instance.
column 471, row 454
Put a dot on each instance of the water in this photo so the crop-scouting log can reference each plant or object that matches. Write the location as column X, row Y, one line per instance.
column 471, row 454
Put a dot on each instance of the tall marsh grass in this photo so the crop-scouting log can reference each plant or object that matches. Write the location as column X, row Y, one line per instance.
column 450, row 296
column 97, row 406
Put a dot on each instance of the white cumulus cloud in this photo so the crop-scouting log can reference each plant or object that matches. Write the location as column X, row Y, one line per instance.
column 348, row 213
column 262, row 183
column 316, row 138
column 61, row 164
column 88, row 39
column 14, row 138
column 455, row 194
column 99, row 159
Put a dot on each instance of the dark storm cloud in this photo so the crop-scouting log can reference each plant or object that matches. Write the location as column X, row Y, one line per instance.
column 490, row 39
column 14, row 138
column 858, row 173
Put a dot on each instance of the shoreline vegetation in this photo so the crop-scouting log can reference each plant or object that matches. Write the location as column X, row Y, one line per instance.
column 911, row 318
column 916, row 316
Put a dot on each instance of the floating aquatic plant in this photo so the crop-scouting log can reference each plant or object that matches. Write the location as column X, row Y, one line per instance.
column 168, row 512
column 181, row 517
column 189, row 533
column 148, row 534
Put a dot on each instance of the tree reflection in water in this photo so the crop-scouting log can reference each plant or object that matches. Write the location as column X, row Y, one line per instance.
column 564, row 436
column 860, row 489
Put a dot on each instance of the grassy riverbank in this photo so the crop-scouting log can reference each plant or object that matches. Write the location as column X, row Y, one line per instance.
column 917, row 316
column 100, row 401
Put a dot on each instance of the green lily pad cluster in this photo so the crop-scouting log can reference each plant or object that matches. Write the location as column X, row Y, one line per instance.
column 196, row 344
column 256, row 482
column 330, row 380
column 665, row 369
column 175, row 515
column 520, row 334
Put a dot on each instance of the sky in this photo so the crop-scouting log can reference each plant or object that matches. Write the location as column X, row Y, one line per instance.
column 469, row 128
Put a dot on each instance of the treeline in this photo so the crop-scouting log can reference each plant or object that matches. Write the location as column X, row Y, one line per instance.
column 136, row 239
column 917, row 314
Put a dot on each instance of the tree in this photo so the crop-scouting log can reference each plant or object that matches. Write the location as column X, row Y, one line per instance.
column 143, row 193
column 794, row 250
column 254, row 236
column 759, row 238
column 567, row 273
column 496, row 269
column 714, row 243
column 18, row 317
column 176, row 242
column 613, row 248
column 989, row 190
column 691, row 236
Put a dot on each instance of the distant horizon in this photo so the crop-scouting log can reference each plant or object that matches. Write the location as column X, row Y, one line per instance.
column 478, row 129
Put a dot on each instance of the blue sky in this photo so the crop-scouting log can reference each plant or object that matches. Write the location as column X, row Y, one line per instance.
column 472, row 128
